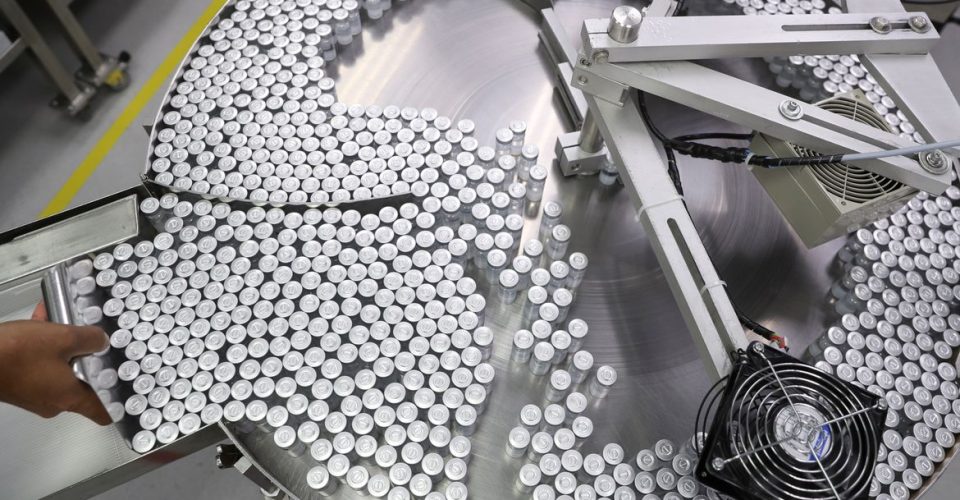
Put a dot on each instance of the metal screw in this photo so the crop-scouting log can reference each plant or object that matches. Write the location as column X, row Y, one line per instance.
column 881, row 25
column 919, row 24
column 601, row 56
column 934, row 161
column 791, row 109
column 718, row 464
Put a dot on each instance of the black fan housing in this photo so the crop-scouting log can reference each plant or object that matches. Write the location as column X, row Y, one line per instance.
column 784, row 429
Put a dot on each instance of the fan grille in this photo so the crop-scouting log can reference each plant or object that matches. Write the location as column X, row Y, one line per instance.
column 787, row 430
column 849, row 183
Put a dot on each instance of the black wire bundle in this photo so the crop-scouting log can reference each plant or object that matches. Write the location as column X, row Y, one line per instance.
column 684, row 145
column 667, row 143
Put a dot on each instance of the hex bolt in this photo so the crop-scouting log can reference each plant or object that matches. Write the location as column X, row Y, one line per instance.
column 791, row 110
column 881, row 25
column 919, row 24
column 934, row 161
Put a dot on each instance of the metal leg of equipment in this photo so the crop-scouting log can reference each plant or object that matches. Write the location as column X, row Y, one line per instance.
column 28, row 33
column 98, row 68
column 76, row 92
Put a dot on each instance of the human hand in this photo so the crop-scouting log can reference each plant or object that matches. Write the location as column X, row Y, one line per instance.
column 40, row 313
column 35, row 371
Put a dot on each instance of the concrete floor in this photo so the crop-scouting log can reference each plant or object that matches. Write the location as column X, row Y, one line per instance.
column 40, row 147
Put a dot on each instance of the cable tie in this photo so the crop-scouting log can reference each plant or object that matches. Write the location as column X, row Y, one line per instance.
column 710, row 286
column 644, row 208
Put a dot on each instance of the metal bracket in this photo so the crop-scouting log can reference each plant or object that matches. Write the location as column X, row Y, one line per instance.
column 650, row 53
column 756, row 107
column 553, row 38
column 574, row 160
column 598, row 85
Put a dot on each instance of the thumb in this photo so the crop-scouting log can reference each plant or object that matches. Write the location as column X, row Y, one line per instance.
column 39, row 312
column 85, row 340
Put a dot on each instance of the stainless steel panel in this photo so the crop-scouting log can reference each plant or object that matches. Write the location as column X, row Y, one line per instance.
column 96, row 228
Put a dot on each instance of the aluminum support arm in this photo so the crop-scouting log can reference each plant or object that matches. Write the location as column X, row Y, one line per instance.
column 756, row 107
column 699, row 293
column 716, row 37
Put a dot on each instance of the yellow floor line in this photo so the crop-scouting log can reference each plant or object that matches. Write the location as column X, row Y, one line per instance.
column 170, row 63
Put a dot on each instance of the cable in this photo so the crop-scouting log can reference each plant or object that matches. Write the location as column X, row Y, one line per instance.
column 716, row 390
column 685, row 146
column 666, row 142
column 714, row 135
column 672, row 169
column 682, row 145
column 765, row 161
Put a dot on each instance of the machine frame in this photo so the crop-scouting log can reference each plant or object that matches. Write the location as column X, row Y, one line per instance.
column 652, row 52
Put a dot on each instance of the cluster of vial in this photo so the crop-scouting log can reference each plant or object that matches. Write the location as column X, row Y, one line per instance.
column 549, row 280
column 252, row 114
column 354, row 338
column 349, row 336
column 819, row 77
column 897, row 334
column 551, row 441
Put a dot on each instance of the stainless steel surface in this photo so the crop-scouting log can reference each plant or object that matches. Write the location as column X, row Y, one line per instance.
column 99, row 227
column 494, row 75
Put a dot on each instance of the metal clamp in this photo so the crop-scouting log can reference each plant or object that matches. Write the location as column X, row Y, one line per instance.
column 582, row 153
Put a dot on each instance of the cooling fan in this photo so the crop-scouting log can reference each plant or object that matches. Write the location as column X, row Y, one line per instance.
column 822, row 202
column 783, row 429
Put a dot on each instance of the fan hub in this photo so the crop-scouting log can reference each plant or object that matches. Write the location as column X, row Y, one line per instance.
column 801, row 432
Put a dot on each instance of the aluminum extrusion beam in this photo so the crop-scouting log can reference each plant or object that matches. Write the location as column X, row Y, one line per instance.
column 697, row 288
column 756, row 107
column 714, row 37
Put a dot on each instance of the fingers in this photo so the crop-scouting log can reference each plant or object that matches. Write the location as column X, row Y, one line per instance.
column 40, row 313
column 85, row 340
column 87, row 403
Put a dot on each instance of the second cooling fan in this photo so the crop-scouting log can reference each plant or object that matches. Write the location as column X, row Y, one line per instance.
column 784, row 429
